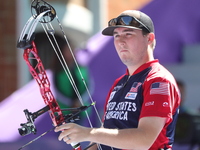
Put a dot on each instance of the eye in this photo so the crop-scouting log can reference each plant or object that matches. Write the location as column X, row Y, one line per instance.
column 129, row 33
column 116, row 35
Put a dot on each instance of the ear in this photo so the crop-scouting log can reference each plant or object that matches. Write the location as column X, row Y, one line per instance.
column 151, row 38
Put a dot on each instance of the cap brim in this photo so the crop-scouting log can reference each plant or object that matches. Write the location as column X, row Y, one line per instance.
column 109, row 30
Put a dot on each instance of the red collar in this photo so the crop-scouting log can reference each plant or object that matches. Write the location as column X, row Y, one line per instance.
column 144, row 66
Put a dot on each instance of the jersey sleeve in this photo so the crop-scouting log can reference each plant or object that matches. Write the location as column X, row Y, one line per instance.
column 158, row 99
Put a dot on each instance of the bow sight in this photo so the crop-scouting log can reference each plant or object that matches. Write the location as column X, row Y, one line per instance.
column 29, row 127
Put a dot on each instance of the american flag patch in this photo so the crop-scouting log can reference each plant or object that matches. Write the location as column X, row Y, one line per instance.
column 160, row 88
column 135, row 86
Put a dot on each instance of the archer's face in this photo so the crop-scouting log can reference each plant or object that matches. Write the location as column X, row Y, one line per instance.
column 131, row 45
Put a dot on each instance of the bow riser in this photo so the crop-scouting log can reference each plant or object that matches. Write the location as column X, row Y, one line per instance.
column 39, row 74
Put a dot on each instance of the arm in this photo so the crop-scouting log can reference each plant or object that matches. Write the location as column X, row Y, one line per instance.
column 133, row 138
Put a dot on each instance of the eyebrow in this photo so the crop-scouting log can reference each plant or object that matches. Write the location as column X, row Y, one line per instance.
column 125, row 30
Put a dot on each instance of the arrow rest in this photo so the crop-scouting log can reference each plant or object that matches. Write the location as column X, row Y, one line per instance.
column 39, row 6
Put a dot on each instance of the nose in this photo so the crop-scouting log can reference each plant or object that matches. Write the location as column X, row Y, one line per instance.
column 121, row 41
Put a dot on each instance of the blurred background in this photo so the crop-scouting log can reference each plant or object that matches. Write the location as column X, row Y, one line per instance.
column 178, row 49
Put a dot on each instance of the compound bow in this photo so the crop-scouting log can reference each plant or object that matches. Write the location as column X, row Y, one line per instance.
column 44, row 13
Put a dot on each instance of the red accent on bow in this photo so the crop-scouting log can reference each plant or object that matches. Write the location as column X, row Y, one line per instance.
column 39, row 74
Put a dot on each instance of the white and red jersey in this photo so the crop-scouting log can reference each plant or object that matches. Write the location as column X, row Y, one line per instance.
column 150, row 91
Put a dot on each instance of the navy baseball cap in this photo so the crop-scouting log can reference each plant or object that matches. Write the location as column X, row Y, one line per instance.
column 130, row 19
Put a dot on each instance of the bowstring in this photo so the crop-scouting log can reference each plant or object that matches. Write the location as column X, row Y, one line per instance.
column 69, row 75
column 66, row 67
column 77, row 65
column 49, row 29
column 61, row 60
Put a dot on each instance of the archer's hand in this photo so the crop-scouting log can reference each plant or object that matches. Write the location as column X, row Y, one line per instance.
column 73, row 133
